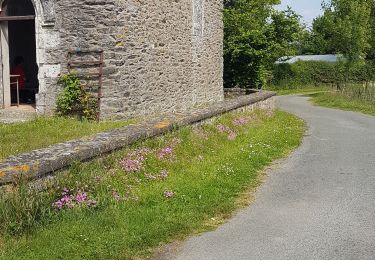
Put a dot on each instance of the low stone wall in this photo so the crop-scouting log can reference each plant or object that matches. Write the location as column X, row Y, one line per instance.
column 237, row 92
column 40, row 162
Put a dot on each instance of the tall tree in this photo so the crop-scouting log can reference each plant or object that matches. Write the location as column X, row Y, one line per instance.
column 371, row 52
column 287, row 32
column 320, row 40
column 346, row 27
column 352, row 22
column 255, row 37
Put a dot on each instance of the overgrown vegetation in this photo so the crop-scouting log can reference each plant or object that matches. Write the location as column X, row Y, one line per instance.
column 125, row 204
column 74, row 100
column 346, row 27
column 42, row 132
column 335, row 84
column 354, row 97
column 255, row 36
column 317, row 73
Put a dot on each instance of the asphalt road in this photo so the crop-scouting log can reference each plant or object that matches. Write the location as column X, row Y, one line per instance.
column 318, row 204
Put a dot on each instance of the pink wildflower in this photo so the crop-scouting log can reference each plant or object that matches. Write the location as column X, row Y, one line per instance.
column 240, row 121
column 232, row 136
column 133, row 160
column 81, row 197
column 116, row 196
column 131, row 165
column 221, row 128
column 66, row 199
column 165, row 152
column 58, row 204
column 71, row 200
column 169, row 194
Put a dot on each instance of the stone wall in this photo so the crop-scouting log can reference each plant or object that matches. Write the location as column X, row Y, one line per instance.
column 236, row 92
column 160, row 56
column 40, row 162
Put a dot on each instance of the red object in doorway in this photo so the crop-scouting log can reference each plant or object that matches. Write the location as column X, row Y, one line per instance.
column 17, row 70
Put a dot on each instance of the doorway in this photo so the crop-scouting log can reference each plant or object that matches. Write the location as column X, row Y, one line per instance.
column 20, row 62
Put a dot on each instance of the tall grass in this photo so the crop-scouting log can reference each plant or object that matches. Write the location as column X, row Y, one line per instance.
column 353, row 97
column 361, row 92
column 22, row 207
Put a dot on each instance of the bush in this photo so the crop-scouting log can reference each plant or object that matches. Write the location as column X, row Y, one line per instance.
column 316, row 73
column 74, row 100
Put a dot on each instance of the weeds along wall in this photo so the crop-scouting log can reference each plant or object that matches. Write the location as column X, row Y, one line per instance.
column 304, row 73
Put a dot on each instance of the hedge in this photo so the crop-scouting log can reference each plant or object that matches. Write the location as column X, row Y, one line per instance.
column 304, row 73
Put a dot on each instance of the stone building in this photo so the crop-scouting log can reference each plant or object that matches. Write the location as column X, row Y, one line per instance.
column 159, row 55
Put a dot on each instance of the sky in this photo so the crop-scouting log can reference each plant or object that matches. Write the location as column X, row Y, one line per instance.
column 309, row 9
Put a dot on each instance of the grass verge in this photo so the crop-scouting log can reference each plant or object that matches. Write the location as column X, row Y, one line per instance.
column 303, row 90
column 42, row 132
column 336, row 100
column 126, row 204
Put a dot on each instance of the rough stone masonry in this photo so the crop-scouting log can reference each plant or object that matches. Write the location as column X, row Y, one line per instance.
column 159, row 55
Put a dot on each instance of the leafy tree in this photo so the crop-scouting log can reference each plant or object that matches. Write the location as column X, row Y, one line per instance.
column 352, row 27
column 320, row 40
column 255, row 37
column 287, row 32
column 346, row 27
column 371, row 51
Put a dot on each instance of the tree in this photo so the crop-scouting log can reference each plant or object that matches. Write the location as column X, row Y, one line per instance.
column 371, row 51
column 320, row 40
column 287, row 32
column 346, row 27
column 352, row 27
column 255, row 36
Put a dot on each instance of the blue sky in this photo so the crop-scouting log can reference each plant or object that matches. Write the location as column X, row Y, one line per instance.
column 309, row 9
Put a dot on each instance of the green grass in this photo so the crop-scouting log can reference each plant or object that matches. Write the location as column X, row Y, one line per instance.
column 208, row 173
column 42, row 132
column 336, row 100
column 303, row 90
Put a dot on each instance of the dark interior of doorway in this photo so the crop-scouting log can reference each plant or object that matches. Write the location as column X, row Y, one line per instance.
column 22, row 44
